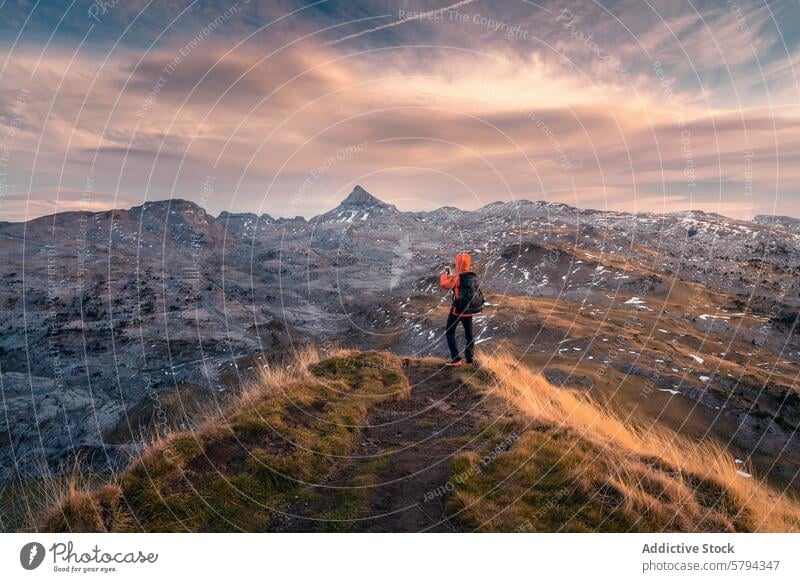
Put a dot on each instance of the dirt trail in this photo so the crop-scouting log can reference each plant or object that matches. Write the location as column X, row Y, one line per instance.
column 404, row 455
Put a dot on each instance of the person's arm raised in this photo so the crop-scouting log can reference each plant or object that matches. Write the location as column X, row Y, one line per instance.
column 447, row 280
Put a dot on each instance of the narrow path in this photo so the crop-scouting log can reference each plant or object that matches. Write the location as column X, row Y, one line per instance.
column 403, row 462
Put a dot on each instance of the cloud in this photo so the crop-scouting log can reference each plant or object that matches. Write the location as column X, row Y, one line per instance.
column 416, row 16
column 285, row 126
column 21, row 206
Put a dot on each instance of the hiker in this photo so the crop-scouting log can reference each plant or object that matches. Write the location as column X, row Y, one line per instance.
column 467, row 301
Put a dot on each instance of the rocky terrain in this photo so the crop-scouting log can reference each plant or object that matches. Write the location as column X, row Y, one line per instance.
column 123, row 323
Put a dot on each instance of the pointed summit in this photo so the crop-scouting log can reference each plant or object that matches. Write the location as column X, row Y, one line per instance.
column 359, row 205
column 360, row 198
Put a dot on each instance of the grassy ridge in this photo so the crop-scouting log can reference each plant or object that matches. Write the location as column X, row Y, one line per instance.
column 574, row 466
column 553, row 460
column 239, row 469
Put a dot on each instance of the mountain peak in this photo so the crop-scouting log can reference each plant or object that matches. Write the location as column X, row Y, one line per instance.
column 360, row 198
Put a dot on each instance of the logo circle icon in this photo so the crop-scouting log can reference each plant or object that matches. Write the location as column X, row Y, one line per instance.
column 31, row 555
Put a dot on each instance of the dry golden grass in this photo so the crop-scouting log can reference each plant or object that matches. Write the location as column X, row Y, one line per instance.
column 25, row 501
column 571, row 465
column 89, row 510
column 271, row 378
column 570, row 321
column 673, row 483
column 286, row 430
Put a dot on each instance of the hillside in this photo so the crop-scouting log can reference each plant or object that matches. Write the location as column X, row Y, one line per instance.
column 367, row 441
column 162, row 308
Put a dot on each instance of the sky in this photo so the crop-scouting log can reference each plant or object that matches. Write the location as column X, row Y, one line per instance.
column 282, row 107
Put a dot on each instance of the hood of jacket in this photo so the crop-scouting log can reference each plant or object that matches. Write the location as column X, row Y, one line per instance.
column 463, row 262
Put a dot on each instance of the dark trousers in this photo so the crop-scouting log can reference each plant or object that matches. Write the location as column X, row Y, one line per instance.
column 450, row 334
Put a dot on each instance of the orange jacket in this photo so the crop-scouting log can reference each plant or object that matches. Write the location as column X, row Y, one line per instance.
column 452, row 281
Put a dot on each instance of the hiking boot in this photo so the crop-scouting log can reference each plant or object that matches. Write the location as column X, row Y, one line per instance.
column 454, row 362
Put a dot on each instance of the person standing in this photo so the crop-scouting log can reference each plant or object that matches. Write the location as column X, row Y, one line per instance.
column 467, row 300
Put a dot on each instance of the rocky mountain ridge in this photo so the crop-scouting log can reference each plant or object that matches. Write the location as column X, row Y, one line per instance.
column 112, row 314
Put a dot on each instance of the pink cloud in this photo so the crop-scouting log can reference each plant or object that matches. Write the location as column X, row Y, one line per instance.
column 457, row 127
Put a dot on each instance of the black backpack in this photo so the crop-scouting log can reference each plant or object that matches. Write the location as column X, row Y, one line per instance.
column 470, row 297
